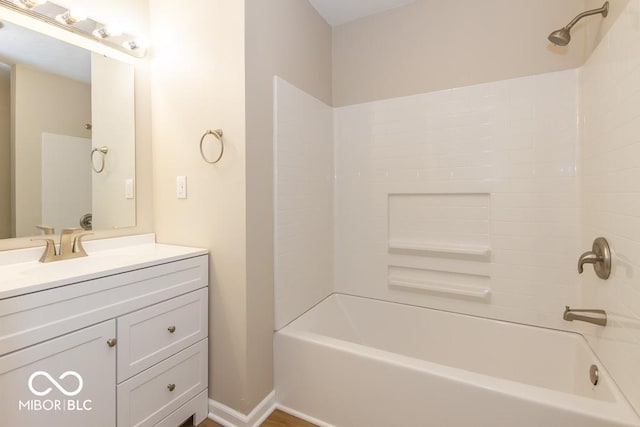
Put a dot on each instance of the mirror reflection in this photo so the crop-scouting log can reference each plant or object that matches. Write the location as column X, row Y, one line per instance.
column 67, row 137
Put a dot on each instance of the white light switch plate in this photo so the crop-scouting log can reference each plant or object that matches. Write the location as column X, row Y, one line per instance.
column 181, row 187
column 128, row 188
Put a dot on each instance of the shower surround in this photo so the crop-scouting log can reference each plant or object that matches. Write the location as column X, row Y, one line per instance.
column 478, row 200
column 464, row 200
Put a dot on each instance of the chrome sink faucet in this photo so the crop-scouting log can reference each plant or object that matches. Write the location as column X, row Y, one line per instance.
column 570, row 315
column 70, row 246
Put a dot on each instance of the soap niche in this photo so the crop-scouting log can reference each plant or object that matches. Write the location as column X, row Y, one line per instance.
column 440, row 225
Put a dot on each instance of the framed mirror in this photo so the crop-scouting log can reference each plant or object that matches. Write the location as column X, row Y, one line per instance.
column 67, row 136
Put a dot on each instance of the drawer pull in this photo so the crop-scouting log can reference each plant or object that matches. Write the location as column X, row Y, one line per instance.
column 171, row 329
column 112, row 342
column 171, row 387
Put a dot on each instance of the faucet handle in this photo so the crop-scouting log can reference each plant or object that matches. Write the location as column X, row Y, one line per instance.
column 49, row 253
column 77, row 244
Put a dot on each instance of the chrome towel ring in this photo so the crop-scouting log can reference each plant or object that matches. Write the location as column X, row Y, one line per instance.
column 218, row 135
column 103, row 152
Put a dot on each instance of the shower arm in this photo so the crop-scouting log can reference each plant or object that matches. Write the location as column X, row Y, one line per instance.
column 604, row 10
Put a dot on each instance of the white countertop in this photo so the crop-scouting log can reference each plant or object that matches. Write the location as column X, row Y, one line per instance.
column 21, row 272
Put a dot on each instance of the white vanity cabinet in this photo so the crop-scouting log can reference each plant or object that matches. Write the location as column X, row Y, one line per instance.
column 123, row 347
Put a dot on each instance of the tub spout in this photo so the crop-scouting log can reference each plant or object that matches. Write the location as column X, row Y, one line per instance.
column 570, row 315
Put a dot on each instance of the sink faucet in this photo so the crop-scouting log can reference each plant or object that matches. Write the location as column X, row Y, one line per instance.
column 70, row 246
column 570, row 315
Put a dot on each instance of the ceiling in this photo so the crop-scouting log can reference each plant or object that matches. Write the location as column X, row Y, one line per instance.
column 23, row 46
column 337, row 12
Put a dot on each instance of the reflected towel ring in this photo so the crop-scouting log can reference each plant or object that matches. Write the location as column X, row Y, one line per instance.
column 103, row 152
column 218, row 135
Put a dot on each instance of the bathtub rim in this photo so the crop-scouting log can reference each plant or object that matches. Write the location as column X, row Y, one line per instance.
column 618, row 409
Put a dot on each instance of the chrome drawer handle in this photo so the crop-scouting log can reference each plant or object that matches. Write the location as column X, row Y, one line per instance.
column 171, row 387
column 171, row 329
column 112, row 342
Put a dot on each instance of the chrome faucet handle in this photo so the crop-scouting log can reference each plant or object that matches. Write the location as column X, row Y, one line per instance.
column 49, row 253
column 77, row 244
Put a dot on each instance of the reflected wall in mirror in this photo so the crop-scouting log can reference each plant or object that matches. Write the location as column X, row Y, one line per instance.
column 67, row 137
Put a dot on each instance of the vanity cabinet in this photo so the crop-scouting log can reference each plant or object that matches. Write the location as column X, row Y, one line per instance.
column 124, row 349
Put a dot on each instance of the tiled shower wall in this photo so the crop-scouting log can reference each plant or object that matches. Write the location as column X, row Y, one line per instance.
column 303, row 128
column 464, row 199
column 610, row 106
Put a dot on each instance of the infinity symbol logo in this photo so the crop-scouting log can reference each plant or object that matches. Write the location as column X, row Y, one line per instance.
column 55, row 383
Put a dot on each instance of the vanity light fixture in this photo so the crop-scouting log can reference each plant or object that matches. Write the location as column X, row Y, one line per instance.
column 70, row 17
column 29, row 4
column 77, row 22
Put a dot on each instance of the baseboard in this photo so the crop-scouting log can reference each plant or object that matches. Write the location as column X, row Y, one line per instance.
column 302, row 416
column 229, row 417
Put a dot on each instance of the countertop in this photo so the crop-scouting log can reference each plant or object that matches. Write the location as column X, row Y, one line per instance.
column 21, row 272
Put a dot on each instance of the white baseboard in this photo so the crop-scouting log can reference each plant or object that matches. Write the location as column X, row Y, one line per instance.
column 229, row 417
column 302, row 416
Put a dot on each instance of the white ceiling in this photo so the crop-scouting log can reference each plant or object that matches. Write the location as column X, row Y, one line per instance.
column 23, row 46
column 337, row 12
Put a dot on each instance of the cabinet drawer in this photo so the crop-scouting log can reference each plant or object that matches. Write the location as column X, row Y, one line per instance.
column 147, row 398
column 149, row 336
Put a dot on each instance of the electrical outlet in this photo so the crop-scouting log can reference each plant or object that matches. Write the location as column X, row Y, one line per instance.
column 181, row 187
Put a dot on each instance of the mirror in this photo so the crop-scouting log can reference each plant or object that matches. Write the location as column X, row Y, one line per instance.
column 67, row 137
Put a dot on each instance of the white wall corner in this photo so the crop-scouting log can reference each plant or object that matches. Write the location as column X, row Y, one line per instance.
column 229, row 417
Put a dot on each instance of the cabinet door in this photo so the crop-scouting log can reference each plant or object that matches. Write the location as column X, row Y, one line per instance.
column 66, row 381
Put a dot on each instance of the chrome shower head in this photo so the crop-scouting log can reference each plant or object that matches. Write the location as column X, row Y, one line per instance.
column 562, row 37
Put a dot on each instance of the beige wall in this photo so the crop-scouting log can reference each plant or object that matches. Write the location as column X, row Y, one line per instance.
column 5, row 153
column 199, row 84
column 43, row 102
column 432, row 45
column 229, row 205
column 287, row 38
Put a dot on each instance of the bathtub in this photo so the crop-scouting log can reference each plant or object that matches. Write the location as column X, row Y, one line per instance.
column 357, row 362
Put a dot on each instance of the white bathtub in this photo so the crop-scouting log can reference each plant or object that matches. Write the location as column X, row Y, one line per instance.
column 356, row 362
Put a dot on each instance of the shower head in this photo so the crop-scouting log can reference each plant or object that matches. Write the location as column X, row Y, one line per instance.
column 562, row 37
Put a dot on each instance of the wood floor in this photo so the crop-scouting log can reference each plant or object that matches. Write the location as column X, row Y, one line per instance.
column 276, row 419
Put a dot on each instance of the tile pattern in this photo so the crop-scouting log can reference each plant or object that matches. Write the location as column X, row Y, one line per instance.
column 515, row 140
column 303, row 202
column 610, row 106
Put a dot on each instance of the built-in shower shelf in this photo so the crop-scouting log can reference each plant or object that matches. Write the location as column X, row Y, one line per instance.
column 442, row 288
column 441, row 248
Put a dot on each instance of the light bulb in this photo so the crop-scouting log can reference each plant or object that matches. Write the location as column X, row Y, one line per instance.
column 135, row 44
column 107, row 31
column 70, row 17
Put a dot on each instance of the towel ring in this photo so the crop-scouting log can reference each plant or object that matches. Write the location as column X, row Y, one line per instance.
column 218, row 135
column 103, row 152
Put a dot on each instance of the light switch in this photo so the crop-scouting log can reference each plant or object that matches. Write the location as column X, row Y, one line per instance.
column 128, row 188
column 181, row 187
